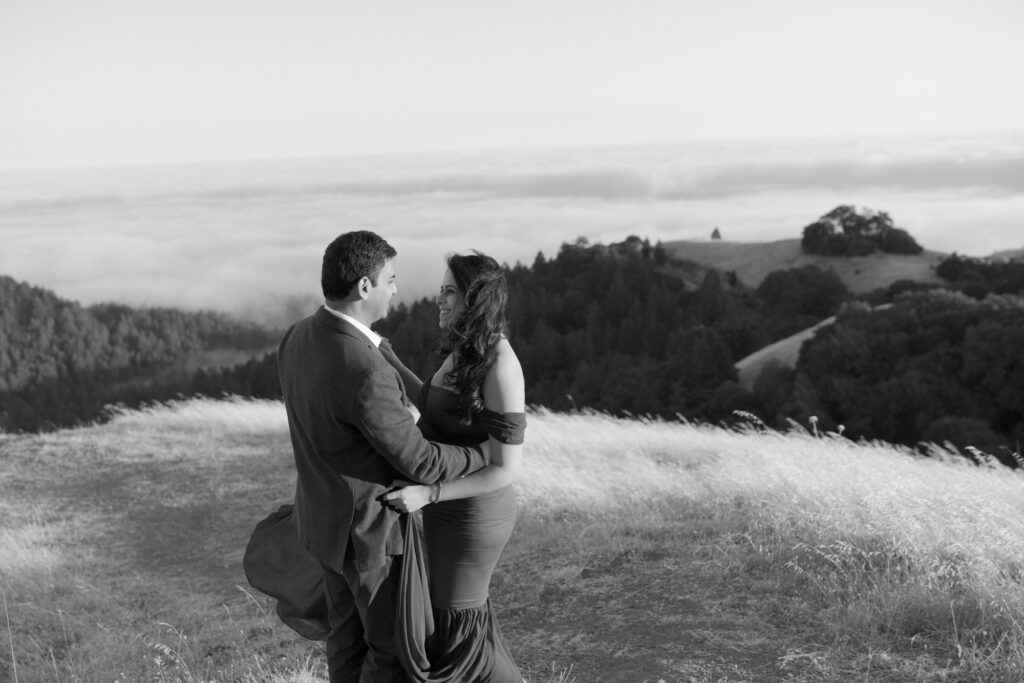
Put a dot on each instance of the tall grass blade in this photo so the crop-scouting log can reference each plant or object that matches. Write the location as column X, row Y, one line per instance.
column 10, row 637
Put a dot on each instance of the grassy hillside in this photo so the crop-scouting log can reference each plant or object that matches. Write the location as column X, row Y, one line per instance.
column 752, row 261
column 785, row 352
column 1008, row 255
column 644, row 551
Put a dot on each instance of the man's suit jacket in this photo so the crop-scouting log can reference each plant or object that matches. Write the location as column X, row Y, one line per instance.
column 352, row 437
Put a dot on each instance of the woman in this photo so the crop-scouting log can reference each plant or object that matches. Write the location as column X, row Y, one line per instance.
column 476, row 395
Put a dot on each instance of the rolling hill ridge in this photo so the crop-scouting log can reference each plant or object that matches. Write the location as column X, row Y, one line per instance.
column 752, row 262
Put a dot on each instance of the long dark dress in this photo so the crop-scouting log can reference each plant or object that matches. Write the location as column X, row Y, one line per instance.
column 448, row 631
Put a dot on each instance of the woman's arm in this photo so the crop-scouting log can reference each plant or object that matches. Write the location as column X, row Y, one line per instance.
column 412, row 383
column 503, row 392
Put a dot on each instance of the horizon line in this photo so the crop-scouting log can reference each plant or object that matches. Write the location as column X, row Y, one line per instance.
column 501, row 149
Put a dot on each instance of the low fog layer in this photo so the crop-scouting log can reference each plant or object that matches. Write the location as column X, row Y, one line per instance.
column 248, row 237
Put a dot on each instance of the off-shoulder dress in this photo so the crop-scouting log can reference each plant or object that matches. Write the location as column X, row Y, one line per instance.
column 447, row 629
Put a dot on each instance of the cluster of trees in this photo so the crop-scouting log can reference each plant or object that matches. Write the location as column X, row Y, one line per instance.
column 980, row 277
column 845, row 231
column 942, row 364
column 60, row 362
column 935, row 366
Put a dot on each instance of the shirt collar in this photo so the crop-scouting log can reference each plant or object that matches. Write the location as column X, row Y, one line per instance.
column 367, row 332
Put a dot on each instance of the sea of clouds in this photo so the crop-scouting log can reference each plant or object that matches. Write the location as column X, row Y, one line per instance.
column 248, row 237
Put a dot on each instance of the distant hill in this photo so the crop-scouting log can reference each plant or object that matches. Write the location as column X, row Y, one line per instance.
column 1008, row 255
column 753, row 261
column 785, row 352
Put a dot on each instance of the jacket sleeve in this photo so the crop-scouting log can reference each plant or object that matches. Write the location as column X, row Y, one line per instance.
column 389, row 427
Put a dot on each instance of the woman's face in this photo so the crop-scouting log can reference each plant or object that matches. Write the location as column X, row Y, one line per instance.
column 450, row 300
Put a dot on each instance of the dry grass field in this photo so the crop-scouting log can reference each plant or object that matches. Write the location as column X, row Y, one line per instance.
column 645, row 551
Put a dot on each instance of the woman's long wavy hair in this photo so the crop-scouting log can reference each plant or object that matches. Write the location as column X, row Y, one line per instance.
column 472, row 337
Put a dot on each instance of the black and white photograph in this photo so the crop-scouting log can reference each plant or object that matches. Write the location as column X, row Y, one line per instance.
column 661, row 341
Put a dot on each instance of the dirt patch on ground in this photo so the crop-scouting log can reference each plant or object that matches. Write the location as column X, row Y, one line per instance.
column 671, row 614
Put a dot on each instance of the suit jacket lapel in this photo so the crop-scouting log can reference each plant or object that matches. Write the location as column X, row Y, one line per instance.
column 342, row 326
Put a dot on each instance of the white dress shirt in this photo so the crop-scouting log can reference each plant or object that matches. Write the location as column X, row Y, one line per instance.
column 370, row 334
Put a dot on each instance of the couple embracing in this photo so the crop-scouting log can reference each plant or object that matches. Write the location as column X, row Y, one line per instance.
column 406, row 519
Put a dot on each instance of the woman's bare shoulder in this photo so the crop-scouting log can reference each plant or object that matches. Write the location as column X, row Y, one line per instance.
column 504, row 387
column 506, row 359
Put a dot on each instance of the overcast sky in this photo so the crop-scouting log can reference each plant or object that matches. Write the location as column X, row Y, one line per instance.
column 129, row 81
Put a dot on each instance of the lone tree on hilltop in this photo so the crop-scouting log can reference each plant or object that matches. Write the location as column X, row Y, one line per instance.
column 847, row 231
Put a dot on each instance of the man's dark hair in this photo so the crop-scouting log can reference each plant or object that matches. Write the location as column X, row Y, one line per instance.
column 351, row 257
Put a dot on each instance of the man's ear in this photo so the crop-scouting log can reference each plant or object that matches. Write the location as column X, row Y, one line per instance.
column 363, row 287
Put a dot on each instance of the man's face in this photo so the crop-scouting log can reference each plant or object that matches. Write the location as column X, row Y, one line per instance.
column 379, row 297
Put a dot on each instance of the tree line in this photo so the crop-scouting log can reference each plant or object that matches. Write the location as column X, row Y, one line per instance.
column 937, row 366
column 61, row 362
column 615, row 328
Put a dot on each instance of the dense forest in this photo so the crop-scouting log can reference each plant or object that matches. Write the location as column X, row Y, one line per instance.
column 612, row 328
column 61, row 363
column 936, row 366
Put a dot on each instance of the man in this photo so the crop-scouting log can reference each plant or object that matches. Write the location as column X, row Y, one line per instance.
column 353, row 437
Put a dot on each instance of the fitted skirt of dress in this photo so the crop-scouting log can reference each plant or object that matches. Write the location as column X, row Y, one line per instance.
column 462, row 542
